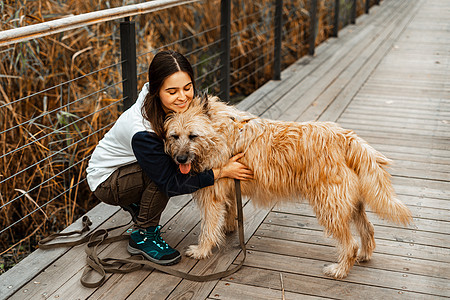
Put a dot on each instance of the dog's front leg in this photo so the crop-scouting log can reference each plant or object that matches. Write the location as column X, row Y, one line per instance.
column 211, row 234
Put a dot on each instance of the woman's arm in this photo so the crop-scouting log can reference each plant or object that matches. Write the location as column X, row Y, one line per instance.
column 234, row 169
column 162, row 170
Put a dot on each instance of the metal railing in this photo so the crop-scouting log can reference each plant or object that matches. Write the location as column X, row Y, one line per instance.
column 45, row 151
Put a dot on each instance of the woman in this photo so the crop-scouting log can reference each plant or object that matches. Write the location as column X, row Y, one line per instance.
column 129, row 167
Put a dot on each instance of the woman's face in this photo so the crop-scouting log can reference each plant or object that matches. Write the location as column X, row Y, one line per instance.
column 176, row 92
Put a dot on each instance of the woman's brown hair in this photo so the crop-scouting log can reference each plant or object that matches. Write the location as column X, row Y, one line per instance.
column 164, row 64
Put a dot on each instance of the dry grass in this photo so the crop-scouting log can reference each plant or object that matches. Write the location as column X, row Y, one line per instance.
column 46, row 139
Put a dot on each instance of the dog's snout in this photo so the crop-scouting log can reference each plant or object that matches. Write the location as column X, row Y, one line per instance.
column 182, row 158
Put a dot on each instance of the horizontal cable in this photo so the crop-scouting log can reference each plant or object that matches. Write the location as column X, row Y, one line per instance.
column 207, row 59
column 251, row 26
column 251, row 62
column 59, row 107
column 257, row 70
column 61, row 84
column 213, row 84
column 54, row 176
column 202, row 48
column 139, row 74
column 212, row 71
column 253, row 50
column 250, row 15
column 178, row 41
column 61, row 150
column 51, row 200
column 194, row 65
column 42, row 137
column 251, row 39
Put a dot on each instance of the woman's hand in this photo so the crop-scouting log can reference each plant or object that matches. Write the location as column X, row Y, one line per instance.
column 234, row 169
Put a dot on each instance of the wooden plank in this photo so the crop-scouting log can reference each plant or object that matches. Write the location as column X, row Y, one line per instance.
column 327, row 252
column 231, row 290
column 393, row 138
column 391, row 233
column 418, row 212
column 355, row 126
column 430, row 225
column 398, row 250
column 428, row 286
column 405, row 120
column 398, row 108
column 318, row 286
column 424, row 202
column 405, row 126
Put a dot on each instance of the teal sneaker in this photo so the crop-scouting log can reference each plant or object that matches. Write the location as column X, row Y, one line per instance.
column 149, row 243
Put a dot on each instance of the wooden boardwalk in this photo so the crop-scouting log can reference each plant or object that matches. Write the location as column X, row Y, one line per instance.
column 387, row 78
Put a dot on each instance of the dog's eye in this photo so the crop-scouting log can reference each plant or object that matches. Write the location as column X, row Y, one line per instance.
column 192, row 136
column 174, row 136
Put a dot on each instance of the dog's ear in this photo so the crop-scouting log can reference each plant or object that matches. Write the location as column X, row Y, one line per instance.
column 205, row 104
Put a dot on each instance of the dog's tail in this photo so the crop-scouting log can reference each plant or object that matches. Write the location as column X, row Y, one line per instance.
column 375, row 182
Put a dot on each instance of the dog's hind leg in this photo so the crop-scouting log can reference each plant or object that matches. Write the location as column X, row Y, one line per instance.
column 211, row 233
column 348, row 248
column 335, row 213
column 366, row 232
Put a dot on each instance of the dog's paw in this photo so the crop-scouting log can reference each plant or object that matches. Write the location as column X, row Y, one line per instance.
column 363, row 257
column 230, row 228
column 194, row 251
column 336, row 271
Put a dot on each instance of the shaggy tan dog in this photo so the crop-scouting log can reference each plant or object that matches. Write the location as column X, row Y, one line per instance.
column 338, row 172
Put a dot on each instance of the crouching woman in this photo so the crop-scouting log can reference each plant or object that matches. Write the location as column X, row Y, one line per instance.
column 129, row 167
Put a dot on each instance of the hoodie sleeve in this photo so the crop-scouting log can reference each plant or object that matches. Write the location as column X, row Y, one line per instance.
column 162, row 170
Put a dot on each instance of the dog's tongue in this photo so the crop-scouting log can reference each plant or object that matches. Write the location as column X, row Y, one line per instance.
column 185, row 168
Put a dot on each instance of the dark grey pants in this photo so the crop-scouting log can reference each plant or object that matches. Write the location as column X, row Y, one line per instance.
column 129, row 184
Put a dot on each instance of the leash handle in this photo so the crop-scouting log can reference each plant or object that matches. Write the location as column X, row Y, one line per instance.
column 134, row 263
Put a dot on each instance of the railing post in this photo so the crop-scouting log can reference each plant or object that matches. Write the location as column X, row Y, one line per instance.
column 128, row 57
column 336, row 18
column 353, row 13
column 225, row 34
column 312, row 30
column 277, row 40
column 377, row 2
column 367, row 6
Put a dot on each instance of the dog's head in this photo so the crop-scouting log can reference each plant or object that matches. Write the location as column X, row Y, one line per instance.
column 190, row 136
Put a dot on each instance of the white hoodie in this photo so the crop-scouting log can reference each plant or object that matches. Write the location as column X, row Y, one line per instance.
column 114, row 150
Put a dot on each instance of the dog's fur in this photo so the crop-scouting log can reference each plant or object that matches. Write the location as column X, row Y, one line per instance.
column 338, row 172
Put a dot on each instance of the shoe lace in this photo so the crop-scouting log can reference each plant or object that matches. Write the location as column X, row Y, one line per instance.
column 155, row 236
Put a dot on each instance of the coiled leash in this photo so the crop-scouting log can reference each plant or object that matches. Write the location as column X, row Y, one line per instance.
column 135, row 262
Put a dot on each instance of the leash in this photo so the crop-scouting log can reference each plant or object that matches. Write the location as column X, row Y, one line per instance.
column 135, row 262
